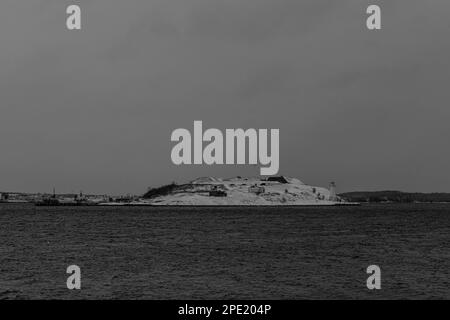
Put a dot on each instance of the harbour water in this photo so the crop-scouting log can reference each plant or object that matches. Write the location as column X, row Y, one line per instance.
column 222, row 253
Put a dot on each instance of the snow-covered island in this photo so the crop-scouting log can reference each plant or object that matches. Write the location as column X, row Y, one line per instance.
column 240, row 191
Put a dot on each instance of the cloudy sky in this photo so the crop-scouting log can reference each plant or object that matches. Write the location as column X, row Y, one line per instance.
column 93, row 110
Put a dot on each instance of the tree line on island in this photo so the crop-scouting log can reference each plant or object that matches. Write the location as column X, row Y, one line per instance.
column 395, row 196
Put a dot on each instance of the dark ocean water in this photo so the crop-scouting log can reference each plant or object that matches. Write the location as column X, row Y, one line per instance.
column 216, row 253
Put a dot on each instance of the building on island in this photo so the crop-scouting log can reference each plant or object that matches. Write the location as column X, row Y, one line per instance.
column 279, row 179
column 256, row 189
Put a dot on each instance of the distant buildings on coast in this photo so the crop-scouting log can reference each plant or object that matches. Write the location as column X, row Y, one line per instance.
column 54, row 198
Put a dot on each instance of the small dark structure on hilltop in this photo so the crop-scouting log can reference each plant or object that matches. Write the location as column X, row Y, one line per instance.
column 217, row 193
column 279, row 179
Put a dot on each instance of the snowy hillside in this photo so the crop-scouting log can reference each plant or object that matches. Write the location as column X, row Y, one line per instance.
column 239, row 191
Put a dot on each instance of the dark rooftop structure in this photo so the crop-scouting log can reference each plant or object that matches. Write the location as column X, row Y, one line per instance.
column 279, row 179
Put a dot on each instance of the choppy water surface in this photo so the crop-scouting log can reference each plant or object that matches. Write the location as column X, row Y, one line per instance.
column 215, row 253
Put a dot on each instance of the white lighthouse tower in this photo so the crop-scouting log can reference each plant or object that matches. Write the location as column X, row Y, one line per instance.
column 333, row 196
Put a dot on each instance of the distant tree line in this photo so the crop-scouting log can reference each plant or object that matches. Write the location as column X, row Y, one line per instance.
column 395, row 196
column 161, row 191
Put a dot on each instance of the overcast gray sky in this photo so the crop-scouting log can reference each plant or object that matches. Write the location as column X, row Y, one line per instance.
column 93, row 110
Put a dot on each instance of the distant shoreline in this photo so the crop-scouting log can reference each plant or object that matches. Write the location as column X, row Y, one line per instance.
column 224, row 206
column 395, row 197
column 350, row 199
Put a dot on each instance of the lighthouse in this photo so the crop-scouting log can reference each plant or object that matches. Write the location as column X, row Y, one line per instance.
column 333, row 196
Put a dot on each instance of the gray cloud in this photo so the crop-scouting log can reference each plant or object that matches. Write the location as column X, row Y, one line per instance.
column 94, row 109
